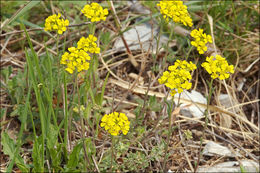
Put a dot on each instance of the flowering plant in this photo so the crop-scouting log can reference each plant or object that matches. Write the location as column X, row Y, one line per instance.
column 115, row 123
column 218, row 67
column 95, row 12
column 178, row 76
column 176, row 11
column 77, row 58
column 201, row 39
column 88, row 44
column 54, row 22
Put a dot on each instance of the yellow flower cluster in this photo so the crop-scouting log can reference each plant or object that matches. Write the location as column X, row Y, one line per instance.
column 176, row 11
column 95, row 12
column 178, row 76
column 77, row 58
column 115, row 123
column 201, row 39
column 88, row 44
column 218, row 67
column 54, row 22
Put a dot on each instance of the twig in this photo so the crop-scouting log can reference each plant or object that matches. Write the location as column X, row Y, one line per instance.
column 117, row 21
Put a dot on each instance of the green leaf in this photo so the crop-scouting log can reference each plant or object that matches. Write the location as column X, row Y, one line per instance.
column 105, row 38
column 21, row 12
column 91, row 149
column 9, row 147
column 2, row 113
column 225, row 26
column 37, row 155
column 52, row 136
column 23, row 167
column 55, row 154
column 153, row 105
column 74, row 156
column 103, row 89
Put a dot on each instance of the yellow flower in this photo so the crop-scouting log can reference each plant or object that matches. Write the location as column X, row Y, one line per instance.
column 88, row 44
column 54, row 22
column 176, row 11
column 201, row 39
column 218, row 67
column 95, row 12
column 76, row 108
column 178, row 76
column 77, row 58
column 115, row 123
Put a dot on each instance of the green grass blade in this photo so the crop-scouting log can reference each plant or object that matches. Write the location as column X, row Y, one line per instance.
column 39, row 73
column 21, row 12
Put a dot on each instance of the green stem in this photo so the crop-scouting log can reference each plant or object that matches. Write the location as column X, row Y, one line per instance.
column 57, row 45
column 65, row 112
column 206, row 123
column 168, row 136
column 82, row 124
column 208, row 101
column 112, row 152
column 186, row 58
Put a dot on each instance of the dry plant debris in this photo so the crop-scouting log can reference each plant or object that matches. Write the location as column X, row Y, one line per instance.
column 50, row 119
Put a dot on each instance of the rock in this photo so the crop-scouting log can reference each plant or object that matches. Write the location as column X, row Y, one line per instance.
column 144, row 31
column 192, row 110
column 232, row 166
column 226, row 102
column 213, row 149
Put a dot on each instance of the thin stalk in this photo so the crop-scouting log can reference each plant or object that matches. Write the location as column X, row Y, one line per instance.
column 186, row 58
column 57, row 45
column 206, row 123
column 65, row 111
column 208, row 101
column 168, row 136
column 112, row 153
column 82, row 124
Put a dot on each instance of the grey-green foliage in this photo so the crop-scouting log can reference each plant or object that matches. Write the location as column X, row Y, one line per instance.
column 157, row 152
column 9, row 149
column 136, row 161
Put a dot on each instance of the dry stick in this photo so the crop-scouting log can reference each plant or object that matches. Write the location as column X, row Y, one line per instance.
column 238, row 122
column 197, row 119
column 142, row 68
column 258, row 95
column 95, row 163
column 233, row 143
column 211, row 107
column 183, row 150
column 117, row 21
column 20, row 31
column 6, row 43
column 217, row 127
column 41, row 45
